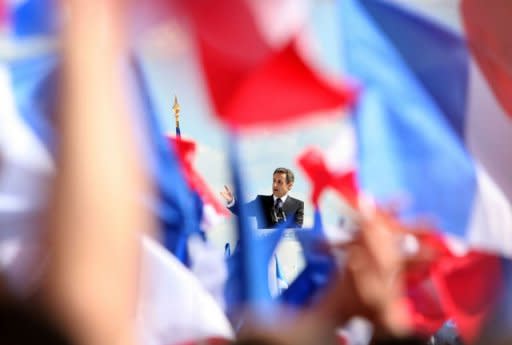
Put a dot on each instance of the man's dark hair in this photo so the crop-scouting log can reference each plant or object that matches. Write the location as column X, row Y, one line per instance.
column 289, row 174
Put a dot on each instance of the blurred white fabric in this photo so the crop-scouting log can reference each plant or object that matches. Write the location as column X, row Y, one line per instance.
column 26, row 171
column 174, row 307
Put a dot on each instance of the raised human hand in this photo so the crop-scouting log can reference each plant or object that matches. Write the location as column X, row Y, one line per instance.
column 370, row 282
column 227, row 194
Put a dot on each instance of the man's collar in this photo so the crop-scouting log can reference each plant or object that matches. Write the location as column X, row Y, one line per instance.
column 283, row 198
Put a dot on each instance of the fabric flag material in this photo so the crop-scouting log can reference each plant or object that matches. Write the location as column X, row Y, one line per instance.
column 32, row 83
column 178, row 209
column 174, row 307
column 3, row 14
column 489, row 133
column 318, row 269
column 35, row 78
column 417, row 124
column 248, row 279
column 29, row 18
column 322, row 176
column 252, row 80
column 26, row 164
column 28, row 89
column 438, row 291
column 497, row 328
column 488, row 31
column 213, row 209
column 26, row 170
column 424, row 123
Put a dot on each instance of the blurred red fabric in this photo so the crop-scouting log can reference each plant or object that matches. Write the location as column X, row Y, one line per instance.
column 313, row 162
column 252, row 83
column 185, row 150
column 489, row 29
column 3, row 13
column 461, row 288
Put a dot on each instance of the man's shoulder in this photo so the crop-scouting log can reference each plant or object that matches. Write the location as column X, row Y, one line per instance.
column 262, row 197
column 295, row 200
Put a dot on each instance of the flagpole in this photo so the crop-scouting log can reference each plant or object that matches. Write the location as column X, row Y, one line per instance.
column 176, row 109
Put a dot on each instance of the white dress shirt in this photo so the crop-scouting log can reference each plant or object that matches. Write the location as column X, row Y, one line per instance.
column 283, row 199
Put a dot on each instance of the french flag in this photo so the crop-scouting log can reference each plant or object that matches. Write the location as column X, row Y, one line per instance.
column 28, row 88
column 174, row 306
column 433, row 133
column 429, row 129
column 213, row 210
column 256, row 61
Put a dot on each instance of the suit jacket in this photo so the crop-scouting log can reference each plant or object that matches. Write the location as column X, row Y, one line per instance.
column 262, row 207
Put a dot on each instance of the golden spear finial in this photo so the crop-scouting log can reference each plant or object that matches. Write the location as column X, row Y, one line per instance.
column 176, row 108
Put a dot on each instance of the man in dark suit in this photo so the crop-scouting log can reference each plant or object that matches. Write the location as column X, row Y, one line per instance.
column 270, row 210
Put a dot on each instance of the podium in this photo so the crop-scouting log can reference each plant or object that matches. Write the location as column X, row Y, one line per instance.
column 289, row 256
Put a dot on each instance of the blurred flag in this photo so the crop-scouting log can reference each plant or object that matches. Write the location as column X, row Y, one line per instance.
column 213, row 210
column 331, row 169
column 322, row 175
column 174, row 307
column 177, row 208
column 26, row 170
column 30, row 18
column 248, row 266
column 3, row 14
column 423, row 117
column 34, row 82
column 415, row 123
column 26, row 162
column 253, row 67
column 28, row 90
column 489, row 132
column 488, row 30
column 32, row 85
column 497, row 329
column 319, row 266
column 437, row 291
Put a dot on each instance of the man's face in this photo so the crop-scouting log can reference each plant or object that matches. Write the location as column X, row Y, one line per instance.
column 279, row 185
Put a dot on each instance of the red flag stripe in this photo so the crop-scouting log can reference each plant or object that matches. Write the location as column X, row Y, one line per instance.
column 488, row 28
column 312, row 161
column 461, row 288
column 250, row 82
column 185, row 150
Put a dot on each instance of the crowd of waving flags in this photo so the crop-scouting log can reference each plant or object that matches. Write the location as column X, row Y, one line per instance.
column 432, row 122
column 419, row 132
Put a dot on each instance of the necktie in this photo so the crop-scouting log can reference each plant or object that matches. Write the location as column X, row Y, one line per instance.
column 279, row 204
column 278, row 210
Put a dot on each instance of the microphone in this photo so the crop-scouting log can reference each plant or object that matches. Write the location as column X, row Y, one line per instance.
column 278, row 214
column 281, row 216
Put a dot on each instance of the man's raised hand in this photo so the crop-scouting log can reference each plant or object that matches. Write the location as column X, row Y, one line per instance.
column 227, row 194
